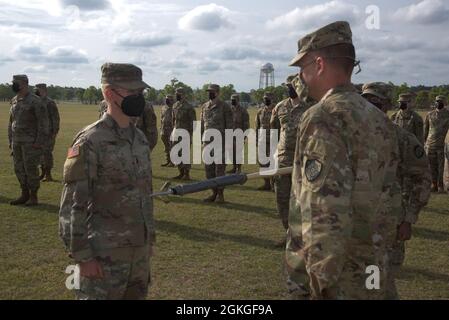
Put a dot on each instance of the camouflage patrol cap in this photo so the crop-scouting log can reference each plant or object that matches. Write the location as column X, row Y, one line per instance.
column 20, row 77
column 235, row 96
column 122, row 75
column 405, row 97
column 335, row 33
column 268, row 94
column 440, row 98
column 179, row 91
column 213, row 87
column 41, row 86
column 379, row 89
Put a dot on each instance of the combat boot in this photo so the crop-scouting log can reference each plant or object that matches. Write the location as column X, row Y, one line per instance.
column 212, row 197
column 186, row 176
column 24, row 197
column 181, row 174
column 232, row 171
column 48, row 177
column 220, row 196
column 434, row 187
column 266, row 186
column 33, row 199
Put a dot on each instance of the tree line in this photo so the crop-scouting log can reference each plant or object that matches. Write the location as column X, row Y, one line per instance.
column 425, row 95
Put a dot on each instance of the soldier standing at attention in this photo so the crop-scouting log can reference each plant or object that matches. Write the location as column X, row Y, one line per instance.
column 240, row 118
column 53, row 119
column 340, row 183
column 216, row 114
column 436, row 127
column 285, row 117
column 106, row 214
column 407, row 118
column 184, row 116
column 263, row 118
column 27, row 134
column 414, row 171
column 167, row 128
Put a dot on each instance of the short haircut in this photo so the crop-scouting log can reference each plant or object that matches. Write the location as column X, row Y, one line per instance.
column 340, row 55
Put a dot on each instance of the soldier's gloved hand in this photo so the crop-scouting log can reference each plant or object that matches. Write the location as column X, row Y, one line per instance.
column 405, row 231
column 91, row 269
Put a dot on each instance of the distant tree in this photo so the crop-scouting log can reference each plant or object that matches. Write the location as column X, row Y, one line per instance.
column 6, row 93
column 226, row 92
column 422, row 99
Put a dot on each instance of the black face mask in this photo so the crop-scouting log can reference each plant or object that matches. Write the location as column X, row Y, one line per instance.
column 403, row 106
column 168, row 102
column 212, row 95
column 440, row 105
column 234, row 102
column 132, row 105
column 37, row 93
column 292, row 92
column 178, row 97
column 15, row 87
column 267, row 102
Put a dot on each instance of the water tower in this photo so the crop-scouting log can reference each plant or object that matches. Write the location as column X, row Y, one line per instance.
column 266, row 76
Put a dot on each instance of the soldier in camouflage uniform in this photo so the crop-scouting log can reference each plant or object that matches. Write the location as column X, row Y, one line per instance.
column 27, row 134
column 147, row 123
column 407, row 118
column 167, row 128
column 446, row 163
column 106, row 214
column 341, row 184
column 436, row 127
column 263, row 118
column 53, row 119
column 285, row 117
column 184, row 116
column 413, row 175
column 240, row 118
column 216, row 114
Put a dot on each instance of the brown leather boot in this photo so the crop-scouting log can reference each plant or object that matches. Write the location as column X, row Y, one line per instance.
column 24, row 197
column 212, row 197
column 220, row 196
column 33, row 199
column 48, row 177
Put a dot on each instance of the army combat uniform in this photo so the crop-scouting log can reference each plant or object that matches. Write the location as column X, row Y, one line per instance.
column 54, row 120
column 409, row 119
column 446, row 163
column 413, row 177
column 263, row 118
column 216, row 114
column 102, row 108
column 184, row 116
column 147, row 123
column 106, row 210
column 286, row 118
column 167, row 128
column 240, row 119
column 435, row 129
column 341, row 187
column 27, row 134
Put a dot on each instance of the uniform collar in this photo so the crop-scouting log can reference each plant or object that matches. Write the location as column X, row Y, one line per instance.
column 339, row 89
column 111, row 123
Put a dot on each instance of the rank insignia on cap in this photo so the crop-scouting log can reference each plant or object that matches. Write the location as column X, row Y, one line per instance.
column 73, row 152
column 313, row 170
column 419, row 152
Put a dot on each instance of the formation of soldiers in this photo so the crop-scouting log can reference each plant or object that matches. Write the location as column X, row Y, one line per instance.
column 348, row 204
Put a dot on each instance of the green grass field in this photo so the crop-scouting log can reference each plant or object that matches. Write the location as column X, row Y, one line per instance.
column 203, row 251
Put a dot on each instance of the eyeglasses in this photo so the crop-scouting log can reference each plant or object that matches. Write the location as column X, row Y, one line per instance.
column 356, row 62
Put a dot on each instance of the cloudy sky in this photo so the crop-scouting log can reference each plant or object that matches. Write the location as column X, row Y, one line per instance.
column 64, row 42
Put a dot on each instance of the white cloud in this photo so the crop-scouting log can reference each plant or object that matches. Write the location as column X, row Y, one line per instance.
column 209, row 17
column 87, row 5
column 35, row 69
column 58, row 55
column 424, row 12
column 315, row 16
column 143, row 40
